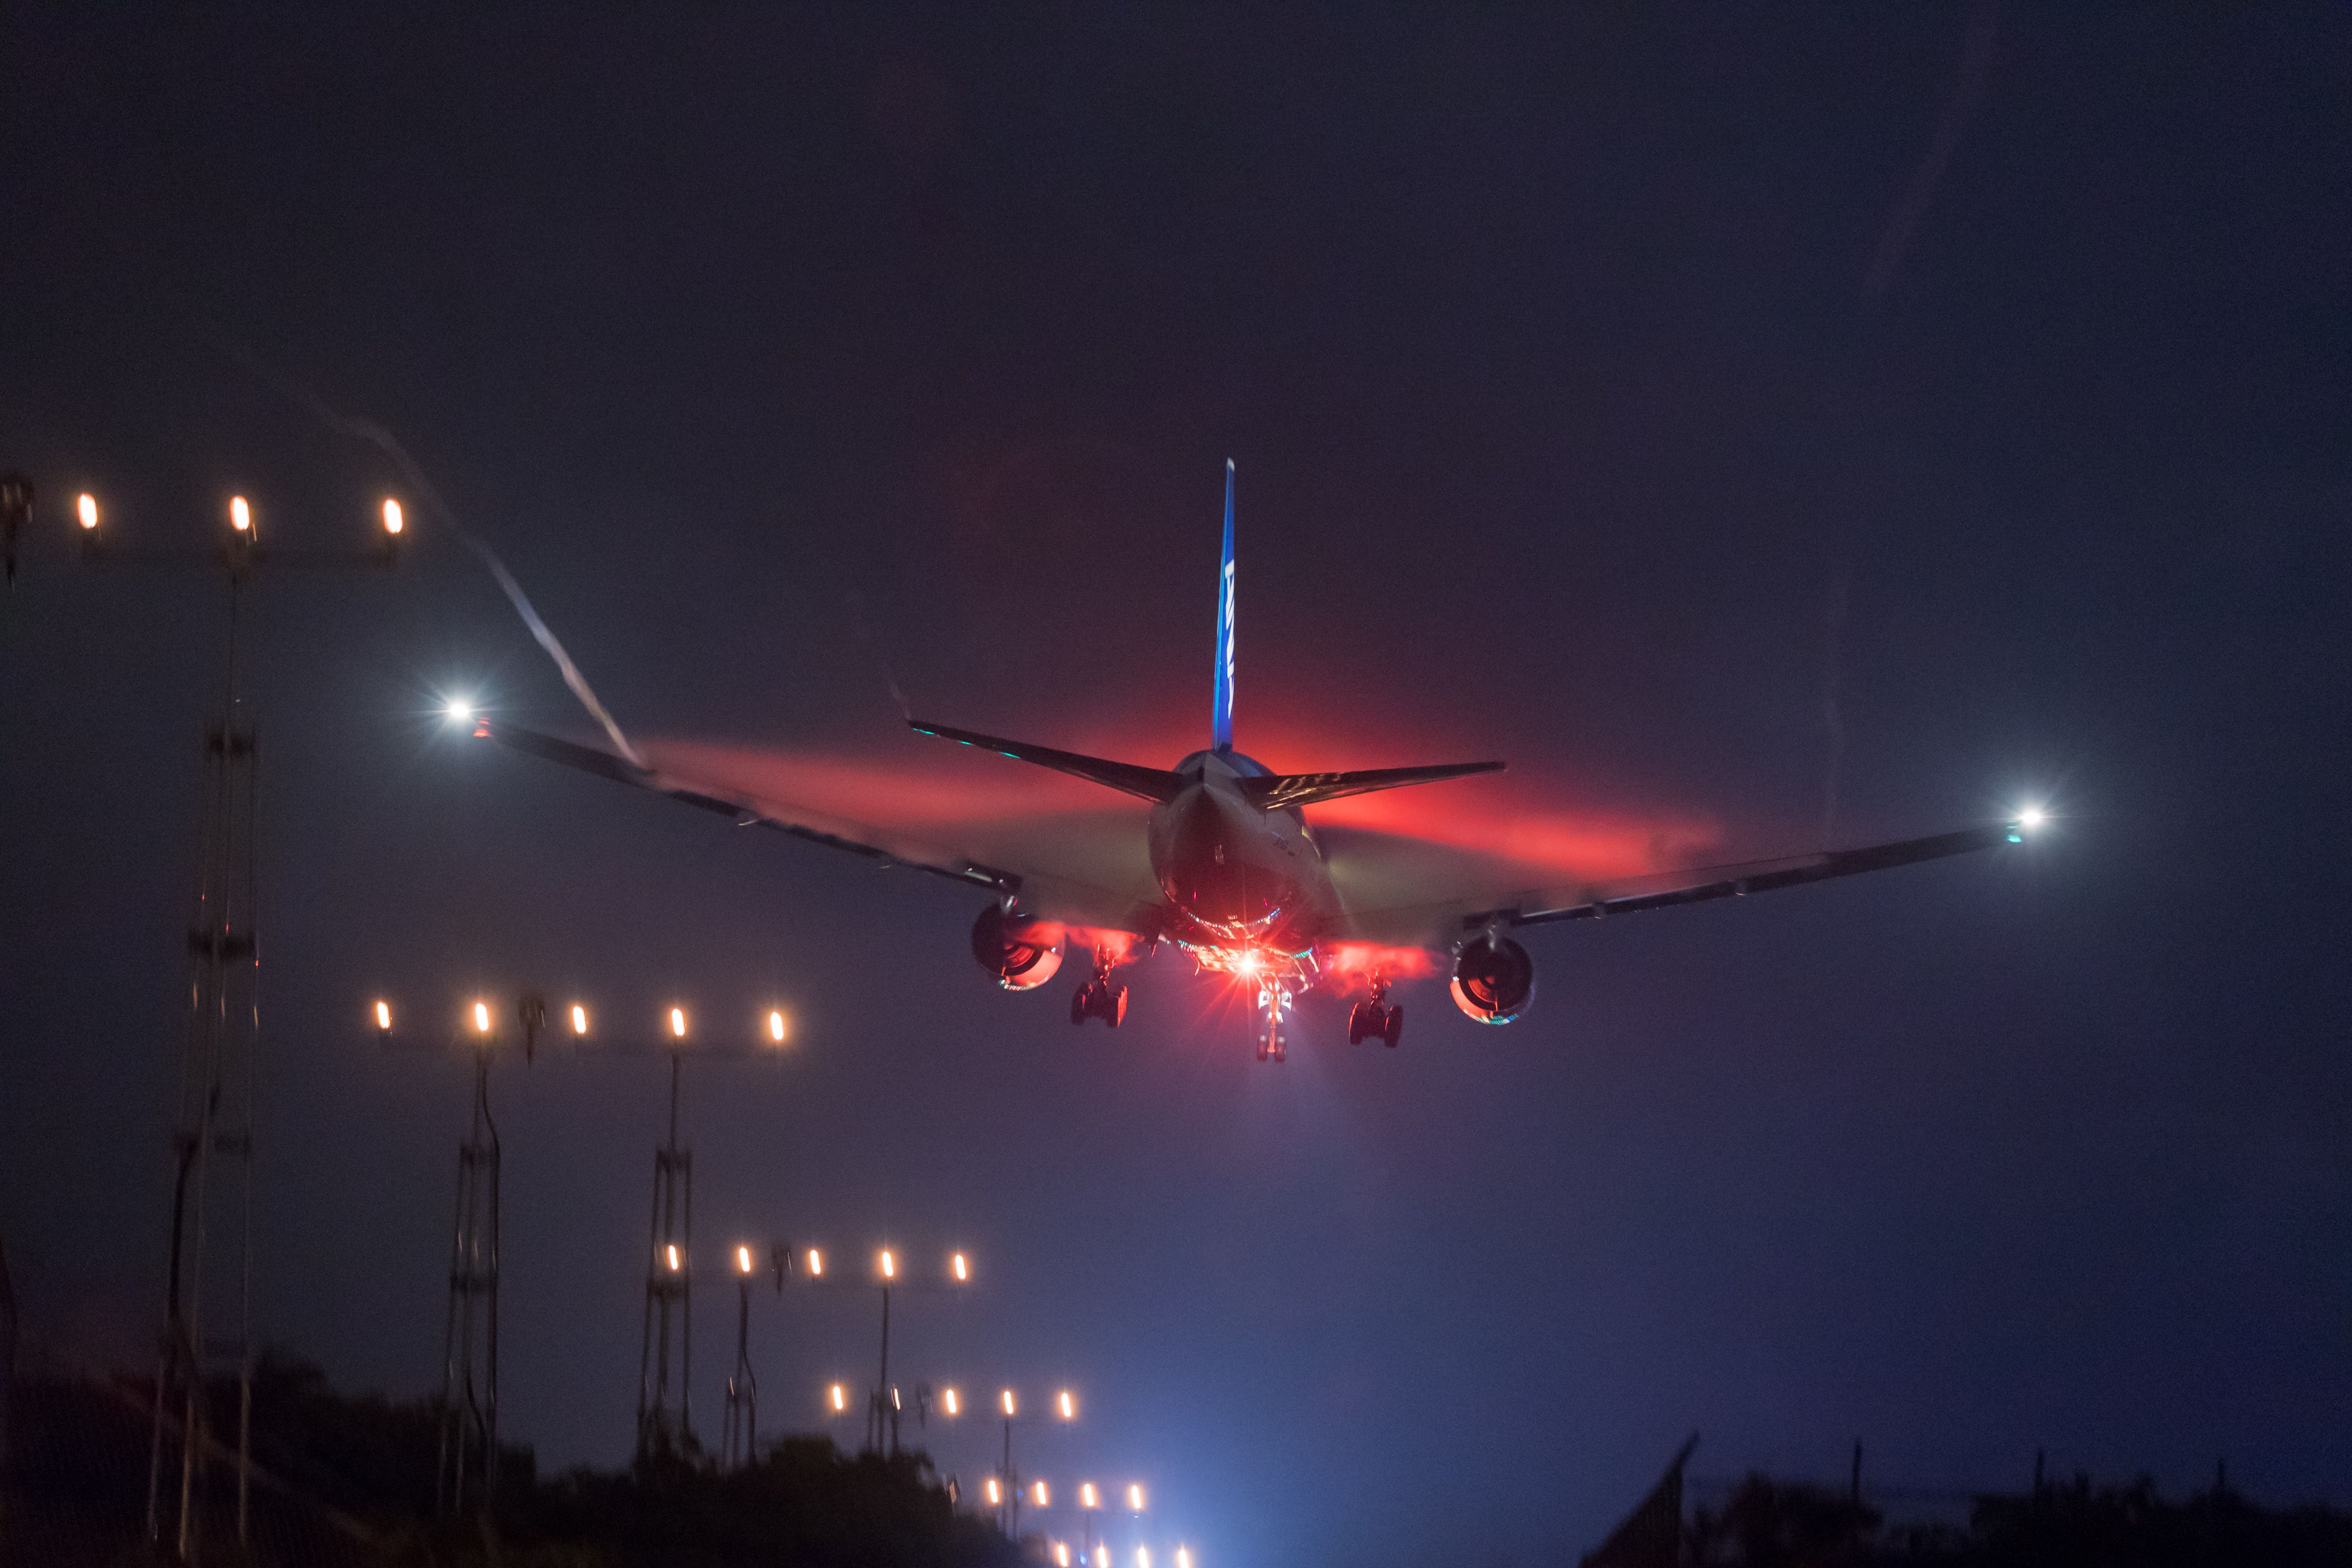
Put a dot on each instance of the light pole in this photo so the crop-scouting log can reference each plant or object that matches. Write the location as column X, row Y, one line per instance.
column 1007, row 1486
column 742, row 1388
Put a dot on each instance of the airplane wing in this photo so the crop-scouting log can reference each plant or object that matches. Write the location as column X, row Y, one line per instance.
column 1442, row 924
column 1114, row 899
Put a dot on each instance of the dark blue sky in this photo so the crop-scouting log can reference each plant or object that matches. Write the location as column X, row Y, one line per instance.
column 774, row 349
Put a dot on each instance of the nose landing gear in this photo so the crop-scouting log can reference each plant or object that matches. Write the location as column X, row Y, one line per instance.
column 1098, row 998
column 1376, row 1018
column 1275, row 999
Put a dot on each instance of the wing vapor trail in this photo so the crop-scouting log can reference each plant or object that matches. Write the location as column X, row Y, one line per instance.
column 383, row 440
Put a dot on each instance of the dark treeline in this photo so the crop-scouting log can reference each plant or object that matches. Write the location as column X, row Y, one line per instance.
column 1769, row 1524
column 350, row 1480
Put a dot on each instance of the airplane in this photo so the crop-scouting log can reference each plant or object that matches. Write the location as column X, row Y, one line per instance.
column 1239, row 878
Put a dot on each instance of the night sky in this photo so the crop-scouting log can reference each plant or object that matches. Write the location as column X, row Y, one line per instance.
column 1751, row 423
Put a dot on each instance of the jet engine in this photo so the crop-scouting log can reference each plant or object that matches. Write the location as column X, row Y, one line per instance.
column 1493, row 980
column 1022, row 954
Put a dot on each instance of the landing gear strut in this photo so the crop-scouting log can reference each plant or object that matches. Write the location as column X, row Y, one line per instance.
column 1376, row 1018
column 1098, row 998
column 1274, row 998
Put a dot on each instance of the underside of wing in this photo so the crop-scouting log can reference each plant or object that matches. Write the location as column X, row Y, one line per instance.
column 1081, row 867
column 1444, row 921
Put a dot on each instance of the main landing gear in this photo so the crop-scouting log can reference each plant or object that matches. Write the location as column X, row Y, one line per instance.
column 1098, row 998
column 1376, row 1018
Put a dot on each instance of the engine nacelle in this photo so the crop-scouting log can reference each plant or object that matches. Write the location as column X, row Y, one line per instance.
column 1020, row 952
column 1493, row 980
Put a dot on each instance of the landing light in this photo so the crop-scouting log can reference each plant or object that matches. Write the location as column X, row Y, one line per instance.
column 2028, row 820
column 459, row 709
column 1247, row 963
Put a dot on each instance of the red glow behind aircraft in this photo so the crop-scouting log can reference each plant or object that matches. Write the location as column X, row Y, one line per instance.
column 1216, row 857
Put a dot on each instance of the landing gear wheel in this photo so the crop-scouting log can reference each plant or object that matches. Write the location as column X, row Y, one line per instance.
column 1114, row 1011
column 1081, row 1004
column 1357, row 1024
column 1395, row 1029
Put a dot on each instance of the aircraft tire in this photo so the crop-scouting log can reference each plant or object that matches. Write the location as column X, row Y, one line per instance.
column 1080, row 1004
column 1395, row 1031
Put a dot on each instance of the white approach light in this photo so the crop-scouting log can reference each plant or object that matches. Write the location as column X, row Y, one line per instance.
column 1183, row 1557
column 383, row 1017
column 678, row 1022
column 579, row 1019
column 817, row 1264
column 672, row 1250
column 86, row 512
column 950, row 1402
column 963, row 1267
column 1008, row 1402
column 1045, row 1497
column 393, row 521
column 240, row 516
column 889, row 1264
column 840, row 1399
column 743, row 1260
column 1135, row 1500
column 777, row 1028
column 481, row 1017
column 1086, row 1498
column 1070, row 1406
column 1143, row 1557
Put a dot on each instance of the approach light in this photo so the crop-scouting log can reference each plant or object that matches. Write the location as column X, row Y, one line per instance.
column 963, row 1267
column 1045, row 1497
column 1069, row 1405
column 672, row 1252
column 894, row 1398
column 776, row 1026
column 840, row 1399
column 383, row 1017
column 1086, row 1495
column 1183, row 1557
column 889, row 1264
column 1135, row 1500
column 678, row 1022
column 240, row 516
column 392, row 522
column 481, row 1017
column 1102, row 1554
column 743, row 1260
column 1007, row 1400
column 86, row 511
column 1143, row 1557
column 817, row 1264
column 1061, row 1554
column 1247, row 963
column 995, row 1492
column 950, row 1402
column 579, row 1019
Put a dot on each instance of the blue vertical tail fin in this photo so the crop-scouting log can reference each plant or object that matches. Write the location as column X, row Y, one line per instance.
column 1222, row 717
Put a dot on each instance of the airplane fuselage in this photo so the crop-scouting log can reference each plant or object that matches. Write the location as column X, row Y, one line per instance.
column 1237, row 875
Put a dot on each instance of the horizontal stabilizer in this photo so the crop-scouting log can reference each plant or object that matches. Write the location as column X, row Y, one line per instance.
column 1151, row 784
column 1310, row 789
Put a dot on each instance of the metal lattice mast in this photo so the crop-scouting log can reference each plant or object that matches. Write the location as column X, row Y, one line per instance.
column 214, row 1125
column 469, row 1393
column 665, row 1413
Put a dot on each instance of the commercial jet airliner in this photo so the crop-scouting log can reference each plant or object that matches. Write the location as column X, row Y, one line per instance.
column 1235, row 874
